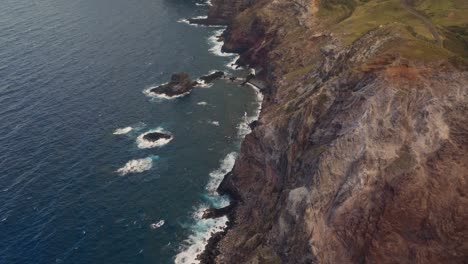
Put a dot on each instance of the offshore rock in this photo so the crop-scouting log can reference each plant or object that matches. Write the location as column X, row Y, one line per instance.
column 180, row 84
column 213, row 76
column 155, row 136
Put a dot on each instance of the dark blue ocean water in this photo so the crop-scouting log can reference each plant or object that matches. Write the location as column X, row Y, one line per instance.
column 71, row 73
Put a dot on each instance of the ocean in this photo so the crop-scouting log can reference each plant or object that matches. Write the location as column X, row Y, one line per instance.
column 77, row 182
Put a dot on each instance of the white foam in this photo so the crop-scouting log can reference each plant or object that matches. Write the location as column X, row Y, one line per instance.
column 243, row 127
column 202, row 103
column 206, row 3
column 148, row 93
column 217, row 175
column 136, row 166
column 187, row 21
column 203, row 84
column 143, row 143
column 215, row 123
column 203, row 228
column 216, row 45
column 122, row 131
column 184, row 20
column 232, row 64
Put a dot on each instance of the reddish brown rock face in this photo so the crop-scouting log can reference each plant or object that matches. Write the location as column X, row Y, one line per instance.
column 361, row 151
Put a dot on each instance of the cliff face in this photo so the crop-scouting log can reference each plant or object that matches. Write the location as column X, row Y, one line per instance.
column 361, row 151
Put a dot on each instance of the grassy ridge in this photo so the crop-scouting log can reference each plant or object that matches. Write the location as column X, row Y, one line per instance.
column 352, row 18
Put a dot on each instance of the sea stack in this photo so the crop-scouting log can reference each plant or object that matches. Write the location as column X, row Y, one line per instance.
column 180, row 84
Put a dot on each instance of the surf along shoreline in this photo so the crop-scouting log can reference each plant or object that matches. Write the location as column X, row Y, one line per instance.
column 211, row 250
column 209, row 253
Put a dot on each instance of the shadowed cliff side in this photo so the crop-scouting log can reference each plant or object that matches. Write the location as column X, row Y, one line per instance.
column 361, row 151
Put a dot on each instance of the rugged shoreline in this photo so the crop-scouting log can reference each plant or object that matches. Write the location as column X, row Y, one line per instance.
column 208, row 256
column 360, row 151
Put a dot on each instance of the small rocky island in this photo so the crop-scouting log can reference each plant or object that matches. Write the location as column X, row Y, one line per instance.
column 155, row 136
column 180, row 84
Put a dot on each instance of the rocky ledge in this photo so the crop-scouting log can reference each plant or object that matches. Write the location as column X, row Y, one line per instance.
column 360, row 154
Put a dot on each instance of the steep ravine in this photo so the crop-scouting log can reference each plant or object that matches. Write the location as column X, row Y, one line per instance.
column 360, row 154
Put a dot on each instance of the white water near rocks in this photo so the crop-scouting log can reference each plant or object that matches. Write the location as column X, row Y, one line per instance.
column 204, row 228
column 137, row 166
column 143, row 143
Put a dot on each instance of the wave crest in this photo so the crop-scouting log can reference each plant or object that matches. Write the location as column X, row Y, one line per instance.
column 204, row 228
column 122, row 131
column 136, row 166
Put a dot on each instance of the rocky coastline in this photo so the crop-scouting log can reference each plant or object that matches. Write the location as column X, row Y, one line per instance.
column 360, row 152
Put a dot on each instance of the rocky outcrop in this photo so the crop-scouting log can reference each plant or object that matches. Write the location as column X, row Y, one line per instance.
column 212, row 76
column 360, row 154
column 180, row 84
column 155, row 136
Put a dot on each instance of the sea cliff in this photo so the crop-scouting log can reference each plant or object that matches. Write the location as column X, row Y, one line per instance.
column 360, row 154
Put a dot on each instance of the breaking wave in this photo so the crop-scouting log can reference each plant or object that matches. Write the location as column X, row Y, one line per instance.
column 137, row 165
column 202, row 229
column 214, row 123
column 217, row 45
column 243, row 127
column 148, row 93
column 122, row 131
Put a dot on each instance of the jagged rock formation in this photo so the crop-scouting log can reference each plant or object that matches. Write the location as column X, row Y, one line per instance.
column 361, row 151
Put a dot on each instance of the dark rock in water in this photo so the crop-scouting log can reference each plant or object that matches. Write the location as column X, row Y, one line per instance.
column 254, row 124
column 180, row 83
column 211, row 77
column 154, row 136
column 217, row 212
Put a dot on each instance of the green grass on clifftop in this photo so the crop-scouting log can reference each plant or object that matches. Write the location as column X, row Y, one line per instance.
column 351, row 19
